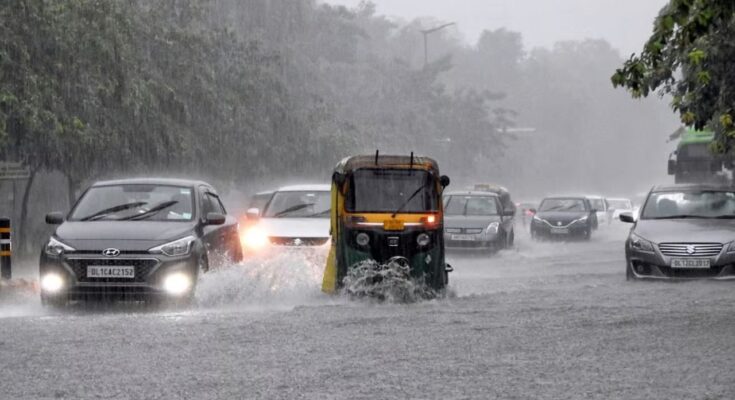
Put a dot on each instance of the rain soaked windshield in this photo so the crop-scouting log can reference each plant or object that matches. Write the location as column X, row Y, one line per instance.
column 386, row 190
column 704, row 204
column 135, row 202
column 470, row 205
column 564, row 205
column 299, row 204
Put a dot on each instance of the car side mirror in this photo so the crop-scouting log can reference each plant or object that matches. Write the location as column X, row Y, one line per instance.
column 627, row 217
column 444, row 181
column 55, row 218
column 215, row 219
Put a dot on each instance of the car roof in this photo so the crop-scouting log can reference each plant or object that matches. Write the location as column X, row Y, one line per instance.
column 153, row 181
column 306, row 188
column 566, row 197
column 618, row 199
column 693, row 186
column 471, row 193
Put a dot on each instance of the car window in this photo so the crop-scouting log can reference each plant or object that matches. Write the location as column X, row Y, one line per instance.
column 135, row 202
column 697, row 204
column 563, row 205
column 215, row 203
column 471, row 205
column 299, row 204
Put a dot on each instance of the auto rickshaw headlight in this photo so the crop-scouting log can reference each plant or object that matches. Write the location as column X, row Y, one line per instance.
column 362, row 239
column 423, row 239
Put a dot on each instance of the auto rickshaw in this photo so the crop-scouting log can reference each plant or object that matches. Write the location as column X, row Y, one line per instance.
column 387, row 209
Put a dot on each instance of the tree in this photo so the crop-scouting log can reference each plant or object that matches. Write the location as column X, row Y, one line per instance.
column 689, row 57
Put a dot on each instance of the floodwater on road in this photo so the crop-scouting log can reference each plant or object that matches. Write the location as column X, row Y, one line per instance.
column 543, row 320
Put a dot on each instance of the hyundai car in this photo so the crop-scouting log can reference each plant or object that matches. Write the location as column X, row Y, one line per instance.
column 564, row 217
column 684, row 231
column 477, row 220
column 293, row 216
column 136, row 239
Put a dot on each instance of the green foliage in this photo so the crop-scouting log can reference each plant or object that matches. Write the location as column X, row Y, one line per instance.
column 688, row 56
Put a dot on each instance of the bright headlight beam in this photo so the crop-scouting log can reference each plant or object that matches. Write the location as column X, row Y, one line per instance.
column 254, row 238
column 52, row 282
column 177, row 283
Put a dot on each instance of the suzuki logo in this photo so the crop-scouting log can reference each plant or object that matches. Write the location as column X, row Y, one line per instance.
column 691, row 249
column 558, row 223
column 111, row 252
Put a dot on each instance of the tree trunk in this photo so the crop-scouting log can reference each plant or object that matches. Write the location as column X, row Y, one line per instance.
column 23, row 223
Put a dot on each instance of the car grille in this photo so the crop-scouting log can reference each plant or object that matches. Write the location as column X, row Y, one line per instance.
column 143, row 268
column 296, row 241
column 690, row 249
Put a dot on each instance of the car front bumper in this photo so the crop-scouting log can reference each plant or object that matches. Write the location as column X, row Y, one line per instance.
column 656, row 265
column 479, row 241
column 542, row 229
column 150, row 272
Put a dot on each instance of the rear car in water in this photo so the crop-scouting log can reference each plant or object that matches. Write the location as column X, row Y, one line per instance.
column 477, row 220
column 684, row 231
column 617, row 206
column 292, row 216
column 599, row 204
column 564, row 217
column 136, row 239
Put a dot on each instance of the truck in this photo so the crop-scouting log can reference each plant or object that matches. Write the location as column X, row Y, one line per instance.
column 693, row 160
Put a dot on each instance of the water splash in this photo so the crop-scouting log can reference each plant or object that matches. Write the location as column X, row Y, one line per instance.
column 390, row 282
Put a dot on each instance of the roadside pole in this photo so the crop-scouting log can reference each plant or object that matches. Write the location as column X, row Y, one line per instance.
column 5, row 249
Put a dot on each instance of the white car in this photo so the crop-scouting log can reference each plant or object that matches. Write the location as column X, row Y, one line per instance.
column 599, row 204
column 617, row 206
column 293, row 216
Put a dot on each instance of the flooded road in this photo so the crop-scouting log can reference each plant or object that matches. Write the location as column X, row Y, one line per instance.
column 544, row 320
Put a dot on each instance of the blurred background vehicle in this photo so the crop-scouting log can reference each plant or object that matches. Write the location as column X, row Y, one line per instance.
column 616, row 206
column 477, row 220
column 599, row 205
column 292, row 216
column 564, row 217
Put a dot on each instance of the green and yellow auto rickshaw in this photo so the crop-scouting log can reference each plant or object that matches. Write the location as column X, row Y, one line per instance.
column 387, row 209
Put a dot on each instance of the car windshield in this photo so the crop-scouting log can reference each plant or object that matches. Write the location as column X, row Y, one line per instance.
column 135, row 202
column 563, row 205
column 619, row 204
column 388, row 190
column 299, row 204
column 470, row 205
column 690, row 204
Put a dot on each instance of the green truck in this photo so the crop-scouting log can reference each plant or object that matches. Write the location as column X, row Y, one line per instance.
column 693, row 160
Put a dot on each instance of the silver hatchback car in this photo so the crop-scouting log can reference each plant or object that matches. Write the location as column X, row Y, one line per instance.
column 477, row 220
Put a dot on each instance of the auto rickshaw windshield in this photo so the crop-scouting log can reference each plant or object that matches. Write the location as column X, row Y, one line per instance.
column 387, row 190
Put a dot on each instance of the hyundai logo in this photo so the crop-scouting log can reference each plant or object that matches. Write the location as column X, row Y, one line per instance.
column 691, row 249
column 111, row 252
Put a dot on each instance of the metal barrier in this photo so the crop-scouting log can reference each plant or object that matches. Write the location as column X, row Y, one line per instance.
column 5, row 248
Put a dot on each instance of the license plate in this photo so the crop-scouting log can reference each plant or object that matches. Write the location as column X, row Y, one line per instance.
column 463, row 237
column 98, row 271
column 393, row 225
column 560, row 231
column 690, row 263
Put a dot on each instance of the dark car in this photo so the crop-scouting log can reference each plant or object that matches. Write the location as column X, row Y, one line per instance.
column 564, row 217
column 477, row 220
column 684, row 231
column 136, row 239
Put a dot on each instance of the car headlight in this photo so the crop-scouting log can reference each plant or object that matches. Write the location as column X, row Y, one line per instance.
column 453, row 230
column 493, row 227
column 640, row 244
column 178, row 247
column 583, row 219
column 423, row 239
column 177, row 283
column 731, row 247
column 56, row 248
column 362, row 239
column 254, row 238
column 52, row 282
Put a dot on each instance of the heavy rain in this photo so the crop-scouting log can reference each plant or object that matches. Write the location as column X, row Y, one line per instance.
column 384, row 199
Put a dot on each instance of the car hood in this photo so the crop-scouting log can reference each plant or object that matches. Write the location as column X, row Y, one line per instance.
column 125, row 235
column 687, row 230
column 460, row 221
column 561, row 216
column 296, row 227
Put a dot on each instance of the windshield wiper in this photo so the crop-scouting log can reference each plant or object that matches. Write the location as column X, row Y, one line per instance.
column 155, row 209
column 325, row 212
column 112, row 210
column 405, row 203
column 291, row 209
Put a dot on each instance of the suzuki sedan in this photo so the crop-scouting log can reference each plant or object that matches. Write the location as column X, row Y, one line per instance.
column 136, row 239
column 564, row 217
column 684, row 231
